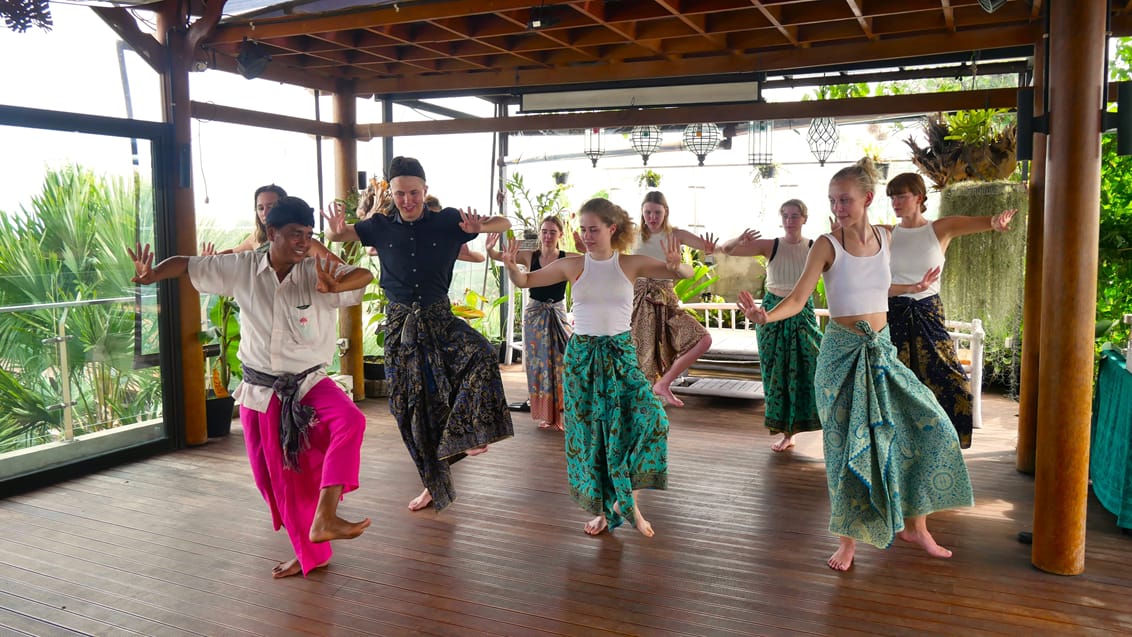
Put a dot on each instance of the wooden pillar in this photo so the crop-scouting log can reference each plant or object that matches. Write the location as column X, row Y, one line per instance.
column 1065, row 370
column 175, row 96
column 346, row 171
column 1032, row 294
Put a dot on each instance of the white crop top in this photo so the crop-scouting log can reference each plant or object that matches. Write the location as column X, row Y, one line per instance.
column 603, row 298
column 651, row 247
column 914, row 252
column 858, row 285
column 785, row 268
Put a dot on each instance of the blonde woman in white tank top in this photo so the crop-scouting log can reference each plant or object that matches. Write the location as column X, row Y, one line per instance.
column 891, row 456
column 668, row 339
column 917, row 320
column 788, row 349
column 614, row 422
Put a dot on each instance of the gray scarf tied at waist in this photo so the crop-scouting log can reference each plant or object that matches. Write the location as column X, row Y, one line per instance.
column 295, row 417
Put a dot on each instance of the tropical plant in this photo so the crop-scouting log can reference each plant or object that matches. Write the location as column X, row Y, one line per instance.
column 967, row 145
column 224, row 331
column 530, row 208
column 648, row 179
column 63, row 256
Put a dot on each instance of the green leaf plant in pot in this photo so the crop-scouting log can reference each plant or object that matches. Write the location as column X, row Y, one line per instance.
column 222, row 341
column 530, row 208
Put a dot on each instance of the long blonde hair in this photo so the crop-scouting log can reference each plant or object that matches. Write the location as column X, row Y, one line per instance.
column 611, row 214
column 656, row 197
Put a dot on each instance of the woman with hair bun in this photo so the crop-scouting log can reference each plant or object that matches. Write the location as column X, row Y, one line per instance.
column 891, row 456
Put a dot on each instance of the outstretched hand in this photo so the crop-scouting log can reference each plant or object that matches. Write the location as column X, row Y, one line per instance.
column 491, row 240
column 335, row 216
column 1001, row 221
column 207, row 249
column 751, row 308
column 508, row 253
column 328, row 275
column 673, row 255
column 930, row 277
column 143, row 264
column 749, row 236
column 710, row 241
column 579, row 245
column 470, row 221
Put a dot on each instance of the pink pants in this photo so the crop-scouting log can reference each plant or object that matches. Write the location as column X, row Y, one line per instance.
column 334, row 458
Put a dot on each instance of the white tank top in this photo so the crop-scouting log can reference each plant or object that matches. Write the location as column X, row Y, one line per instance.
column 858, row 285
column 651, row 247
column 914, row 252
column 784, row 270
column 603, row 298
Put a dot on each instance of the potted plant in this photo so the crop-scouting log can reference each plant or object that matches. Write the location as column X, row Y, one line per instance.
column 976, row 145
column 560, row 177
column 648, row 179
column 221, row 364
column 530, row 208
column 373, row 360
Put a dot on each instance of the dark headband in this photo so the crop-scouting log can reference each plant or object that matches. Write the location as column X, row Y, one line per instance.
column 405, row 167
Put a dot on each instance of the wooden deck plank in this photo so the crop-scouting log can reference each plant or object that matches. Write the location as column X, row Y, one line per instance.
column 180, row 544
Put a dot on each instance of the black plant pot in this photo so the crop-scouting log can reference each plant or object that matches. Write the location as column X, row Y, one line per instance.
column 218, row 416
column 373, row 371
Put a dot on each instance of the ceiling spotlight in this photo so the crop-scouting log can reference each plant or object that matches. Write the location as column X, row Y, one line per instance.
column 542, row 17
column 252, row 59
column 990, row 6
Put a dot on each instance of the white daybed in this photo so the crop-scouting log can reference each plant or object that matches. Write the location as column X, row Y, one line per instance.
column 735, row 352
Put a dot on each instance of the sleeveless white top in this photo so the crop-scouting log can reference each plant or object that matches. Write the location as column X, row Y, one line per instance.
column 603, row 298
column 914, row 252
column 784, row 270
column 651, row 247
column 858, row 285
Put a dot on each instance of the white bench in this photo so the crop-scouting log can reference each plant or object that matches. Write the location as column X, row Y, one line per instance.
column 735, row 350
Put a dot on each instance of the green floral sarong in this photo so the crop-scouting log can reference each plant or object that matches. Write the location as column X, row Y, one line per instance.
column 788, row 353
column 616, row 428
column 890, row 449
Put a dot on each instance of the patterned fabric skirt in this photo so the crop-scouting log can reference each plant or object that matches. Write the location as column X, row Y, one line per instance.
column 788, row 353
column 616, row 428
column 890, row 452
column 546, row 332
column 922, row 342
column 445, row 391
column 661, row 330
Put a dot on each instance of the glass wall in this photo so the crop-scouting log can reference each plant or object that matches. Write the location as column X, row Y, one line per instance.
column 80, row 371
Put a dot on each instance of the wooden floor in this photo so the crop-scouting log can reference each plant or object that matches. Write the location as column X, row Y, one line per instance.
column 181, row 545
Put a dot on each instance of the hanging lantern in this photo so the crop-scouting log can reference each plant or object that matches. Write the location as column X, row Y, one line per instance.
column 822, row 138
column 645, row 140
column 701, row 139
column 595, row 144
column 759, row 135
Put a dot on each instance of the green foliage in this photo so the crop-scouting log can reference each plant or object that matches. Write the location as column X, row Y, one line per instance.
column 648, row 179
column 224, row 317
column 530, row 208
column 689, row 290
column 1114, row 265
column 481, row 313
column 978, row 127
column 68, row 246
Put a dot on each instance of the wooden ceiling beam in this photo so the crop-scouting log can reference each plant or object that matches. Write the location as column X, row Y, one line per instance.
column 719, row 113
column 469, row 36
column 144, row 44
column 374, row 17
column 772, row 14
column 628, row 32
column 948, row 14
column 229, row 114
column 782, row 59
column 865, row 23
column 697, row 24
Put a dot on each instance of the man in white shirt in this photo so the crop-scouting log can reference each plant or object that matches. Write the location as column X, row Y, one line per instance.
column 302, row 432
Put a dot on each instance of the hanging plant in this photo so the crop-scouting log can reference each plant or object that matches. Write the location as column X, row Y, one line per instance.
column 648, row 179
column 967, row 146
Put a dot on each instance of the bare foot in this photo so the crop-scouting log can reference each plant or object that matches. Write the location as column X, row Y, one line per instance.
column 475, row 452
column 544, row 425
column 289, row 568
column 924, row 540
column 842, row 558
column 595, row 526
column 421, row 501
column 558, row 427
column 639, row 521
column 335, row 528
column 665, row 392
column 784, row 443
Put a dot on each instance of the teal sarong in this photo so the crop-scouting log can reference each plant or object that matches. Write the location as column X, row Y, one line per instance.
column 788, row 354
column 890, row 449
column 616, row 428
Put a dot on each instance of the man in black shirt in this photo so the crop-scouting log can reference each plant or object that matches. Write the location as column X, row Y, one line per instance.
column 445, row 389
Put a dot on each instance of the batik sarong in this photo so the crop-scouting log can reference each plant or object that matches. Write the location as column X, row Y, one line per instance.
column 788, row 352
column 661, row 330
column 445, row 391
column 890, row 452
column 545, row 333
column 921, row 340
column 616, row 428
